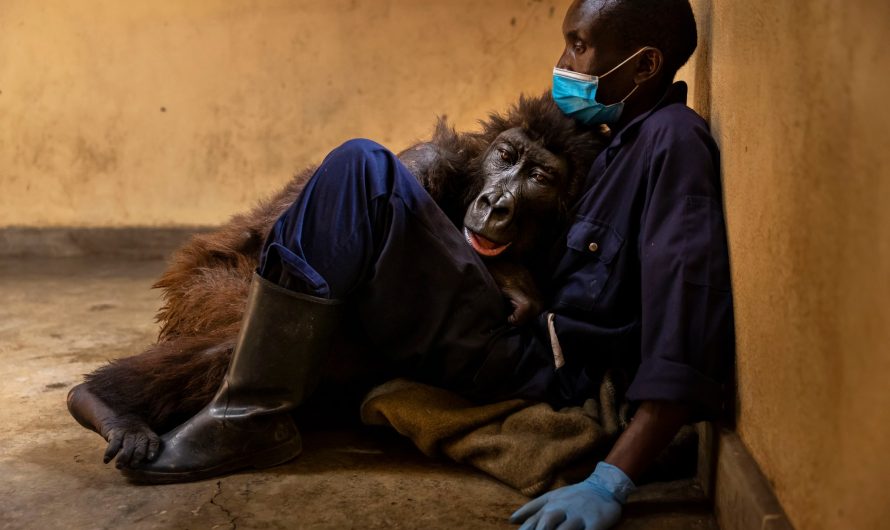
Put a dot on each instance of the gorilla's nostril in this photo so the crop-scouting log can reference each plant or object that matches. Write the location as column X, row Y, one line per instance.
column 503, row 206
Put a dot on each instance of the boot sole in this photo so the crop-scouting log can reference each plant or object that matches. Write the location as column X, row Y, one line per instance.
column 268, row 458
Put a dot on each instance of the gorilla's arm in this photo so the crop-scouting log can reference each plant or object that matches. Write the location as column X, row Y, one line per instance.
column 204, row 287
column 128, row 436
column 518, row 287
column 130, row 399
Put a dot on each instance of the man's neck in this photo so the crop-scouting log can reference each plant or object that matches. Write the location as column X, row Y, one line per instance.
column 649, row 97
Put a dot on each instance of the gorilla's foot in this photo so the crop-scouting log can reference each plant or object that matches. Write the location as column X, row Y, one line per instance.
column 210, row 445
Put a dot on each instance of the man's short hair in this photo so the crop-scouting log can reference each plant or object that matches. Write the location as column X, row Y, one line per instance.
column 668, row 25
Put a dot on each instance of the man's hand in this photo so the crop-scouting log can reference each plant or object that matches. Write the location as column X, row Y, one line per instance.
column 517, row 286
column 594, row 504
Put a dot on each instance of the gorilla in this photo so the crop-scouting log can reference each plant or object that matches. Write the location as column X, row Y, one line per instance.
column 509, row 188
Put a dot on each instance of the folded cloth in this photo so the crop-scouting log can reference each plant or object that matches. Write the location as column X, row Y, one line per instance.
column 527, row 445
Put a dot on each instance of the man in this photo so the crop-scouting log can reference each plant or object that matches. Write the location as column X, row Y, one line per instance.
column 640, row 279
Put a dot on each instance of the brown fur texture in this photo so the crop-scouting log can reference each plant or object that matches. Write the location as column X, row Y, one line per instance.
column 205, row 285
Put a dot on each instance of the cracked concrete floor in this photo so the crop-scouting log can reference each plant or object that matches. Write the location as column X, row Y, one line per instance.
column 62, row 318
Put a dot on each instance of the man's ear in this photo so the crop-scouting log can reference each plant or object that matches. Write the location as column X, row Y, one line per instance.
column 649, row 65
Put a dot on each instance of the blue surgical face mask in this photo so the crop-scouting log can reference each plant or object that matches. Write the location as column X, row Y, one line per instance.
column 575, row 95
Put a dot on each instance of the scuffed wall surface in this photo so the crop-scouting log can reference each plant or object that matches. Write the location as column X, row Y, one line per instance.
column 171, row 113
column 796, row 92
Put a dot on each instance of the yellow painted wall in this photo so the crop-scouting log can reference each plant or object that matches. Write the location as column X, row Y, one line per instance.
column 797, row 95
column 123, row 113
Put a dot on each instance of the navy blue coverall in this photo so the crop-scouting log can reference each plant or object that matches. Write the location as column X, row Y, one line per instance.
column 640, row 278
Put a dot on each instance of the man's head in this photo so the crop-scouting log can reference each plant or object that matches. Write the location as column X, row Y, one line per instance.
column 600, row 34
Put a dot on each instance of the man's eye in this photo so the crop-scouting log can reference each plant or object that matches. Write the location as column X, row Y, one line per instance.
column 579, row 48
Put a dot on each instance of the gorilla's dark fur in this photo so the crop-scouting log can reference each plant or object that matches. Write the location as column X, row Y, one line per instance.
column 206, row 283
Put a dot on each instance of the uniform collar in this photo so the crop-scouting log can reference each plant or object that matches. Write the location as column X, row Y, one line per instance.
column 676, row 93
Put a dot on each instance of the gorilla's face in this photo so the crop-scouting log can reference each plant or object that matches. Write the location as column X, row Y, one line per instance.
column 523, row 184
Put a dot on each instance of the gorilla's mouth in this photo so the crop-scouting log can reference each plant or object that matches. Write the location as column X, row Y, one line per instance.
column 484, row 246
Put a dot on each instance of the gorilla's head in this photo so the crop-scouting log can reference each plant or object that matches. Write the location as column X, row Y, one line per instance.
column 531, row 163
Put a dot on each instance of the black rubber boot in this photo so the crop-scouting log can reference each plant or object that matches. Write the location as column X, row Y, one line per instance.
column 284, row 338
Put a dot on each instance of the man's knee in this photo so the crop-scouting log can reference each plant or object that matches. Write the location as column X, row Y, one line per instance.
column 355, row 151
column 361, row 165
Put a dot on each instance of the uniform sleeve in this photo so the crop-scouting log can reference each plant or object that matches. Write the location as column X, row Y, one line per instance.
column 687, row 335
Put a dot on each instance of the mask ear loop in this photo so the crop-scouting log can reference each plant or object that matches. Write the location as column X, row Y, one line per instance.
column 622, row 63
column 629, row 93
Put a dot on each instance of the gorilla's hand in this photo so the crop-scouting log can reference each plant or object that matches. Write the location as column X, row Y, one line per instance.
column 129, row 437
column 519, row 288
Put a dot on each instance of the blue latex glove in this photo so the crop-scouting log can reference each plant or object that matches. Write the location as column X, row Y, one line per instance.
column 594, row 504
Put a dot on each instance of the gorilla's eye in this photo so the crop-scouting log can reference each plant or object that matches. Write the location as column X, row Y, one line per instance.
column 541, row 177
column 505, row 155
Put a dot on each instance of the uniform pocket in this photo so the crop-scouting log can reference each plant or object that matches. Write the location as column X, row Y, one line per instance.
column 593, row 247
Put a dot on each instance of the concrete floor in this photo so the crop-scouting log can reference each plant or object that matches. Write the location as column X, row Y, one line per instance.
column 62, row 318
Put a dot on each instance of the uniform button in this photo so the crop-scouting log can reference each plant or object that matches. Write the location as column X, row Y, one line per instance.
column 593, row 246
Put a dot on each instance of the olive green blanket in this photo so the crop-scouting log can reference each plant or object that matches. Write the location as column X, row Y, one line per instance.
column 527, row 445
